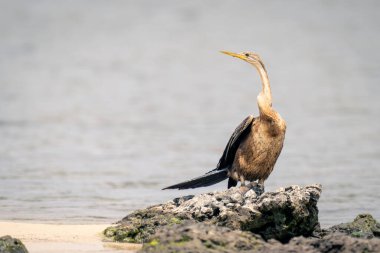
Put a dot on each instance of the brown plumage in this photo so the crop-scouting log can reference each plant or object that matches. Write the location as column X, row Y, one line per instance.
column 255, row 145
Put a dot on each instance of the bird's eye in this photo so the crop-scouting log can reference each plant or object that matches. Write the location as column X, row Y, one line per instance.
column 247, row 54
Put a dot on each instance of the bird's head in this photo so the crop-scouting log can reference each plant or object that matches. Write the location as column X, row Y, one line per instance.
column 249, row 57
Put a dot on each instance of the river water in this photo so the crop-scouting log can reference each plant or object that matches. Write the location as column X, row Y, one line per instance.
column 103, row 103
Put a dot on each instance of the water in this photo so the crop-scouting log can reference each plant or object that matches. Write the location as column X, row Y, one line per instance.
column 103, row 103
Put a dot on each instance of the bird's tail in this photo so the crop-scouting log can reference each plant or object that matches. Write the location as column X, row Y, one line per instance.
column 210, row 178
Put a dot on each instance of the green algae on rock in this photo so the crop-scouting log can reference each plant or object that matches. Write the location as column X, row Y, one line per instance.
column 140, row 225
column 11, row 245
column 202, row 237
column 364, row 226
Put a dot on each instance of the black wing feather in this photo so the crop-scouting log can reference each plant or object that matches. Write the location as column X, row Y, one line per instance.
column 205, row 180
column 220, row 173
column 229, row 152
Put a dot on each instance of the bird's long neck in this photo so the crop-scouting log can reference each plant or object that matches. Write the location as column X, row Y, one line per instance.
column 265, row 82
column 264, row 99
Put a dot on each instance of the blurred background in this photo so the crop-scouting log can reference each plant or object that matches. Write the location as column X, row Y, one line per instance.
column 103, row 103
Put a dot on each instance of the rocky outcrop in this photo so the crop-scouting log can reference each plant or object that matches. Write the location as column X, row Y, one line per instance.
column 245, row 220
column 280, row 215
column 204, row 238
column 11, row 245
column 364, row 226
column 201, row 237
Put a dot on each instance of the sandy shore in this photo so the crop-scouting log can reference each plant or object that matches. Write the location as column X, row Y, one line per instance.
column 49, row 238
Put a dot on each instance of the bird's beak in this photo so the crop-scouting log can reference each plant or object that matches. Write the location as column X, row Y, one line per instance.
column 240, row 56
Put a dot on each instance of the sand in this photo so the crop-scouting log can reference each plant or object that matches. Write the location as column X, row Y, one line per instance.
column 57, row 238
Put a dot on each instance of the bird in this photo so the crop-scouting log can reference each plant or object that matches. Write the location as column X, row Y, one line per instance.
column 255, row 145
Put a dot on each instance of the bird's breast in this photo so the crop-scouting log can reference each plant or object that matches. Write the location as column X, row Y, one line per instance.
column 258, row 153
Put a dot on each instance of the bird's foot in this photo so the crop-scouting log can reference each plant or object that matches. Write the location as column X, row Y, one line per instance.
column 251, row 184
column 261, row 187
column 243, row 189
column 258, row 188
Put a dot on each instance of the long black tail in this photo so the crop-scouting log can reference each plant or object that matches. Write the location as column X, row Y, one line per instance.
column 210, row 178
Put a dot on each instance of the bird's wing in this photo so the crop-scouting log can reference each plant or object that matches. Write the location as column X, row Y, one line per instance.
column 229, row 152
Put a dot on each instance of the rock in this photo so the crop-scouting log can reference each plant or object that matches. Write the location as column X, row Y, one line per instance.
column 11, row 245
column 337, row 242
column 207, row 238
column 285, row 213
column 364, row 226
column 140, row 225
column 244, row 219
column 202, row 237
column 333, row 242
column 281, row 215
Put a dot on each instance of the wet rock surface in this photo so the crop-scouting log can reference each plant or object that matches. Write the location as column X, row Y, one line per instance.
column 245, row 220
column 11, row 245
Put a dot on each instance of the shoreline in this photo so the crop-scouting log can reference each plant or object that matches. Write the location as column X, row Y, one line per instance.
column 41, row 237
